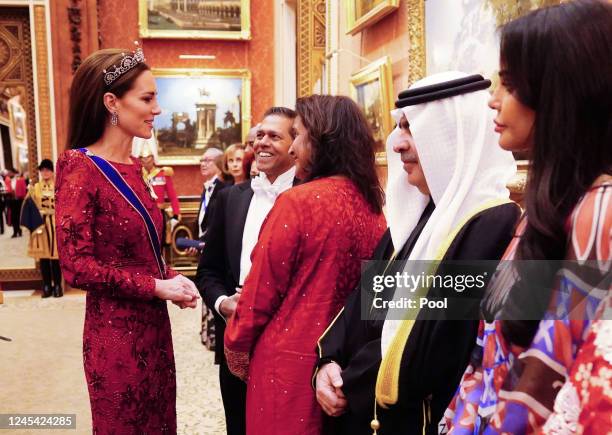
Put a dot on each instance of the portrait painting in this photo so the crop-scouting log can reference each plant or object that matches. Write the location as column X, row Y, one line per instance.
column 200, row 109
column 371, row 88
column 363, row 13
column 17, row 117
column 195, row 19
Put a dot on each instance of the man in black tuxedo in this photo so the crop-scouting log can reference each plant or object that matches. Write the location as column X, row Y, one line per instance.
column 213, row 184
column 232, row 233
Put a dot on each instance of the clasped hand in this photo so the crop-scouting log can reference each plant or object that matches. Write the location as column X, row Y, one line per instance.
column 329, row 392
column 180, row 290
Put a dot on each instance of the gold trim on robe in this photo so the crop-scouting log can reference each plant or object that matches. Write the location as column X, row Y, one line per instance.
column 387, row 382
column 43, row 241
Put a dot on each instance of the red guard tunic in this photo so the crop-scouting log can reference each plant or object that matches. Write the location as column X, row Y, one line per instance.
column 20, row 187
column 127, row 344
column 306, row 262
column 161, row 181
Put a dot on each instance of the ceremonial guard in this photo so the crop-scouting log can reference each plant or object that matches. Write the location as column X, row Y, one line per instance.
column 38, row 215
column 160, row 180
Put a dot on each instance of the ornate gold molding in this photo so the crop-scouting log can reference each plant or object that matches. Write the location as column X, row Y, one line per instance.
column 42, row 75
column 311, row 30
column 357, row 23
column 16, row 71
column 416, row 36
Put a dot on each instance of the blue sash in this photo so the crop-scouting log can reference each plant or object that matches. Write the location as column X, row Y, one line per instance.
column 114, row 177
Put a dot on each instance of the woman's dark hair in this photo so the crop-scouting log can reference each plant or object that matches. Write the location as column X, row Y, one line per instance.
column 557, row 61
column 87, row 113
column 342, row 143
column 247, row 160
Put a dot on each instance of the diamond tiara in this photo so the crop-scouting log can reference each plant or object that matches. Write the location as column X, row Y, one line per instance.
column 128, row 61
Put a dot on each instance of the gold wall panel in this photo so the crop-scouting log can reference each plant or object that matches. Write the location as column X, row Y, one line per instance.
column 416, row 36
column 311, row 33
column 42, row 75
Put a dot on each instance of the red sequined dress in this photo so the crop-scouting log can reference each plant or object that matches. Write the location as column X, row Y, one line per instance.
column 127, row 344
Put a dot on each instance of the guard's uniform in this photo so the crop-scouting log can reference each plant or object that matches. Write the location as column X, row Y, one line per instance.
column 160, row 180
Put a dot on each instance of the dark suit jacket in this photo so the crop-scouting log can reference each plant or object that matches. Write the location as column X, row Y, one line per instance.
column 219, row 269
column 219, row 185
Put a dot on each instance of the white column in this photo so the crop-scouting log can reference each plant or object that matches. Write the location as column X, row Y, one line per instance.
column 332, row 44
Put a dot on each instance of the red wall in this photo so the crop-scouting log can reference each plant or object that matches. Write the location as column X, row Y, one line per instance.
column 119, row 28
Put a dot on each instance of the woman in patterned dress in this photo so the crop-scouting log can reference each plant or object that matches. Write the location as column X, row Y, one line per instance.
column 104, row 249
column 554, row 100
column 584, row 403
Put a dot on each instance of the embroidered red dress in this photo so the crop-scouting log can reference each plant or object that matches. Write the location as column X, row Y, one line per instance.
column 127, row 344
column 306, row 262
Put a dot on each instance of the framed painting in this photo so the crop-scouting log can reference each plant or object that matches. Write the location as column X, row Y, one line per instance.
column 194, row 19
column 372, row 89
column 363, row 13
column 461, row 35
column 201, row 108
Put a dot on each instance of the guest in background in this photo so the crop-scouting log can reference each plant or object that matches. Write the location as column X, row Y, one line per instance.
column 3, row 199
column 43, row 243
column 254, row 171
column 108, row 236
column 250, row 139
column 305, row 263
column 232, row 163
column 247, row 164
column 16, row 189
column 213, row 184
column 160, row 180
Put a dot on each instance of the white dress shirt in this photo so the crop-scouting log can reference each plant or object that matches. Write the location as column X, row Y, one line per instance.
column 264, row 196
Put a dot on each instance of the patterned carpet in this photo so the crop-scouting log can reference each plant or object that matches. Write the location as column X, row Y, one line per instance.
column 41, row 368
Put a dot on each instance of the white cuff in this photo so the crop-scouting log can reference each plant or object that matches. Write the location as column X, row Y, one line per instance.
column 218, row 305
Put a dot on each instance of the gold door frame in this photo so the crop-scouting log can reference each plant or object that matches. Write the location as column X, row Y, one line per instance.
column 40, row 109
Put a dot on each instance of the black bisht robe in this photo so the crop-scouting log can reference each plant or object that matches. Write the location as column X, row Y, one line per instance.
column 437, row 351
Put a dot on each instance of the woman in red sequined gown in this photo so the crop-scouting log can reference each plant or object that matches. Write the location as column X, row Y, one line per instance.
column 104, row 249
column 306, row 262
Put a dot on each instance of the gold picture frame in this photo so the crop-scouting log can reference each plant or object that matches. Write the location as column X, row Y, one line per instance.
column 361, row 13
column 200, row 108
column 372, row 89
column 230, row 20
